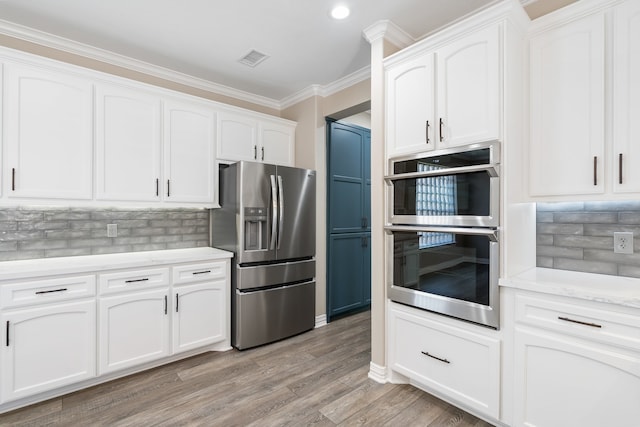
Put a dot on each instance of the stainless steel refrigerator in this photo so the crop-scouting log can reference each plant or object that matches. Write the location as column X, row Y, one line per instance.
column 267, row 218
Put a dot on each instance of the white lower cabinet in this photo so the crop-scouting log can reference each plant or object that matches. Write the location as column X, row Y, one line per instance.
column 577, row 363
column 59, row 334
column 459, row 363
column 46, row 347
column 566, row 382
column 134, row 329
column 199, row 315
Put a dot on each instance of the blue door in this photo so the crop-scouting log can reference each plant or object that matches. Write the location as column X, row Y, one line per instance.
column 348, row 213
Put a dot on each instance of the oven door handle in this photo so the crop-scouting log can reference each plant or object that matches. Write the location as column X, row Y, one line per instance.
column 490, row 233
column 491, row 169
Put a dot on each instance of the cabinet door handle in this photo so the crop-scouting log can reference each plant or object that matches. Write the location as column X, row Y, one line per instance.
column 620, row 168
column 166, row 304
column 595, row 170
column 136, row 280
column 157, row 186
column 168, row 187
column 7, row 333
column 13, row 179
column 177, row 301
column 566, row 319
column 441, row 124
column 201, row 272
column 262, row 153
column 426, row 131
column 435, row 357
column 255, row 152
column 51, row 291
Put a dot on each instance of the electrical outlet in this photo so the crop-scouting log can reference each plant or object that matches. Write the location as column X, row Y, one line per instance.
column 112, row 230
column 623, row 242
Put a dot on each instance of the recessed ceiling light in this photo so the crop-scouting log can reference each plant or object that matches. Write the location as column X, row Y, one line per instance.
column 340, row 12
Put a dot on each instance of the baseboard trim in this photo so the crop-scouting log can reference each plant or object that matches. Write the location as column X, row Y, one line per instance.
column 378, row 373
column 321, row 320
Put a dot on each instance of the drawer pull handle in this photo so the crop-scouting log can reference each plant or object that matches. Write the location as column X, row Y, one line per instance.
column 51, row 291
column 166, row 304
column 201, row 272
column 7, row 333
column 137, row 280
column 177, row 301
column 566, row 319
column 435, row 357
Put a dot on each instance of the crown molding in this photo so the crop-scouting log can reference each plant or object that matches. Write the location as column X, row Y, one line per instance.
column 389, row 31
column 329, row 89
column 69, row 46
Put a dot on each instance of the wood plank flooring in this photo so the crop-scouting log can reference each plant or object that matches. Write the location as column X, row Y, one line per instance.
column 315, row 379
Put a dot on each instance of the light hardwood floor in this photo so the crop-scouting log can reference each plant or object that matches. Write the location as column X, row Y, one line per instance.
column 318, row 378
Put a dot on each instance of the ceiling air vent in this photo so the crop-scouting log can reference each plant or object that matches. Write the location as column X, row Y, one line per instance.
column 253, row 58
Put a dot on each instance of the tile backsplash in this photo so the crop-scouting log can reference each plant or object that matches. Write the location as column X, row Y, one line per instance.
column 578, row 236
column 43, row 232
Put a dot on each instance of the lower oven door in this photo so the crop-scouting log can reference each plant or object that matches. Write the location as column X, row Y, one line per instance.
column 451, row 271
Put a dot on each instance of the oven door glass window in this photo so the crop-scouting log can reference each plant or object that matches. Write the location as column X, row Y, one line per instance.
column 467, row 194
column 451, row 265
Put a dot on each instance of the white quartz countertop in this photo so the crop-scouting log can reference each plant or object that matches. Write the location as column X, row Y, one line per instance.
column 14, row 270
column 594, row 287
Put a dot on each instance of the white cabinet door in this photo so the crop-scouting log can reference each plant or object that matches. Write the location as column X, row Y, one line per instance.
column 189, row 154
column 566, row 382
column 237, row 137
column 49, row 131
column 567, row 109
column 276, row 143
column 47, row 347
column 199, row 315
column 133, row 329
column 410, row 115
column 456, row 362
column 128, row 144
column 469, row 89
column 626, row 98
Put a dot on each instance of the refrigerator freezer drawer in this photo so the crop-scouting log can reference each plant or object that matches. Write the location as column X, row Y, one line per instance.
column 274, row 274
column 273, row 314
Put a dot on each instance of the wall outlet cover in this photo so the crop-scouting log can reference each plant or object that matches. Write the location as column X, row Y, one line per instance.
column 623, row 242
column 112, row 230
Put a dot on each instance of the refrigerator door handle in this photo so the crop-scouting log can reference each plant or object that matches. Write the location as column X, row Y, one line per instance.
column 281, row 213
column 274, row 213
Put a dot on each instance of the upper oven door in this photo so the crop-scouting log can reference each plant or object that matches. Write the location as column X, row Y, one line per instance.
column 456, row 187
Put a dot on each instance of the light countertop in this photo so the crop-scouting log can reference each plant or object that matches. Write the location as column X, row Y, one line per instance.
column 619, row 290
column 14, row 270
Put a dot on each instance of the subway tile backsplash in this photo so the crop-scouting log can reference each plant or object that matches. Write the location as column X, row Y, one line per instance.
column 578, row 236
column 43, row 232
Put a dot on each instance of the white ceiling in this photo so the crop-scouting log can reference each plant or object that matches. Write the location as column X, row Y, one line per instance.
column 206, row 38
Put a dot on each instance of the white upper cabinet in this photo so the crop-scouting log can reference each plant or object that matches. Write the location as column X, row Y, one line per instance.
column 626, row 98
column 445, row 97
column 247, row 137
column 276, row 143
column 469, row 89
column 237, row 137
column 566, row 151
column 585, row 101
column 49, row 134
column 189, row 153
column 410, row 111
column 128, row 144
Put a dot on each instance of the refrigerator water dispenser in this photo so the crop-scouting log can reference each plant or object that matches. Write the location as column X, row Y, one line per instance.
column 255, row 229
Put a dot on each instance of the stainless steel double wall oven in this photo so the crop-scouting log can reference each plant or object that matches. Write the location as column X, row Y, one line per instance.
column 443, row 217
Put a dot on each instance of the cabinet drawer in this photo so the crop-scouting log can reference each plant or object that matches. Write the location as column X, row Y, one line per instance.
column 133, row 280
column 199, row 272
column 453, row 361
column 45, row 291
column 584, row 321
